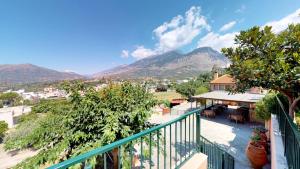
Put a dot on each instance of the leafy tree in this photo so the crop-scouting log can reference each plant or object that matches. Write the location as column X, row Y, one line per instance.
column 60, row 106
column 262, row 58
column 118, row 111
column 193, row 87
column 201, row 89
column 11, row 97
column 89, row 119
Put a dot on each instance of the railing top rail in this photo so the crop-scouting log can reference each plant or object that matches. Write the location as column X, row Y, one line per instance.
column 218, row 147
column 290, row 121
column 108, row 147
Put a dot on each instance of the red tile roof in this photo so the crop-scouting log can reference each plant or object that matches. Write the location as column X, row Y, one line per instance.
column 225, row 79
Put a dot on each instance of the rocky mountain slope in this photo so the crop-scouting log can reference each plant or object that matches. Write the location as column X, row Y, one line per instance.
column 172, row 65
column 28, row 73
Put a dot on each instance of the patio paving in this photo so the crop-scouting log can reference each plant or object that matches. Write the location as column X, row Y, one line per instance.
column 229, row 135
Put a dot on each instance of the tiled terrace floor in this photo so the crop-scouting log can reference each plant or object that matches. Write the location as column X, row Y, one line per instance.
column 229, row 135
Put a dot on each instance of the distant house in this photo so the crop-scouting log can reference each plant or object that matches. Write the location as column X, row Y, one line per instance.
column 226, row 82
column 222, row 83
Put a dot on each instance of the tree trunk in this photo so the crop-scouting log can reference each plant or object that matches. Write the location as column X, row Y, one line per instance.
column 292, row 106
column 115, row 153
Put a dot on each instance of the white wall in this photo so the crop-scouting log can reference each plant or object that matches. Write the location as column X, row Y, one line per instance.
column 8, row 114
column 8, row 118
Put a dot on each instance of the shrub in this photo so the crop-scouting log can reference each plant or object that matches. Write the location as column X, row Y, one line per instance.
column 201, row 89
column 266, row 106
column 166, row 103
column 161, row 88
column 12, row 98
column 3, row 128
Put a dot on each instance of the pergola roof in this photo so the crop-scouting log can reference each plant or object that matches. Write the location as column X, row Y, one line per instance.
column 225, row 96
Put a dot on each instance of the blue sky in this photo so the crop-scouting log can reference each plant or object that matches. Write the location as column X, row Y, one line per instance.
column 90, row 36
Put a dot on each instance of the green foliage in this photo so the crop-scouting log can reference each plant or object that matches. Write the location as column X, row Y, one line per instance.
column 266, row 106
column 29, row 102
column 61, row 106
column 193, row 87
column 61, row 129
column 166, row 103
column 27, row 117
column 11, row 97
column 118, row 111
column 36, row 132
column 201, row 89
column 1, row 104
column 262, row 58
column 3, row 128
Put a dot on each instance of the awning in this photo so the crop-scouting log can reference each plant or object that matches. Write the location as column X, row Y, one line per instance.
column 224, row 95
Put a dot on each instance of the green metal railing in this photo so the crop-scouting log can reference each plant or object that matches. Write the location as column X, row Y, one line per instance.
column 217, row 158
column 167, row 145
column 290, row 136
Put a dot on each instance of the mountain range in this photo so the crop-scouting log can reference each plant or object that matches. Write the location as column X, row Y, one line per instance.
column 28, row 73
column 171, row 65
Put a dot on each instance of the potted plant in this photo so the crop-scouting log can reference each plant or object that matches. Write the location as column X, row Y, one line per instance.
column 166, row 107
column 256, row 153
column 261, row 131
column 264, row 108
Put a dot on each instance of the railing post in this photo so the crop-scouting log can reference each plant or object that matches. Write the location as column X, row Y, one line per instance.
column 198, row 133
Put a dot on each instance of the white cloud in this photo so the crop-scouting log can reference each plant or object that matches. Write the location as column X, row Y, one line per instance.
column 227, row 26
column 179, row 31
column 125, row 54
column 69, row 71
column 241, row 9
column 217, row 41
column 141, row 52
column 280, row 25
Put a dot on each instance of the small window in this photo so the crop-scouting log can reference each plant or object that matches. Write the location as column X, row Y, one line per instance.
column 222, row 87
column 216, row 87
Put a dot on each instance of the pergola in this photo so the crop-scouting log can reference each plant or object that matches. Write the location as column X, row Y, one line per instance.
column 229, row 99
column 226, row 96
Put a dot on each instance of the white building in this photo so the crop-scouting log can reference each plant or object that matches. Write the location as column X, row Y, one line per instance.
column 9, row 114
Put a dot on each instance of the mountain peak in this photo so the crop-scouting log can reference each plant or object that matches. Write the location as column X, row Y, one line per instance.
column 29, row 73
column 172, row 64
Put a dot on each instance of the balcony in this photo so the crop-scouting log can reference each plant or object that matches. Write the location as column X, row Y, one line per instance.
column 170, row 145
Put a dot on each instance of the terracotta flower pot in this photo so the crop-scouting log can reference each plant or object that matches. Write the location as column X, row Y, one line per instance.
column 166, row 111
column 257, row 155
column 263, row 139
column 135, row 161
